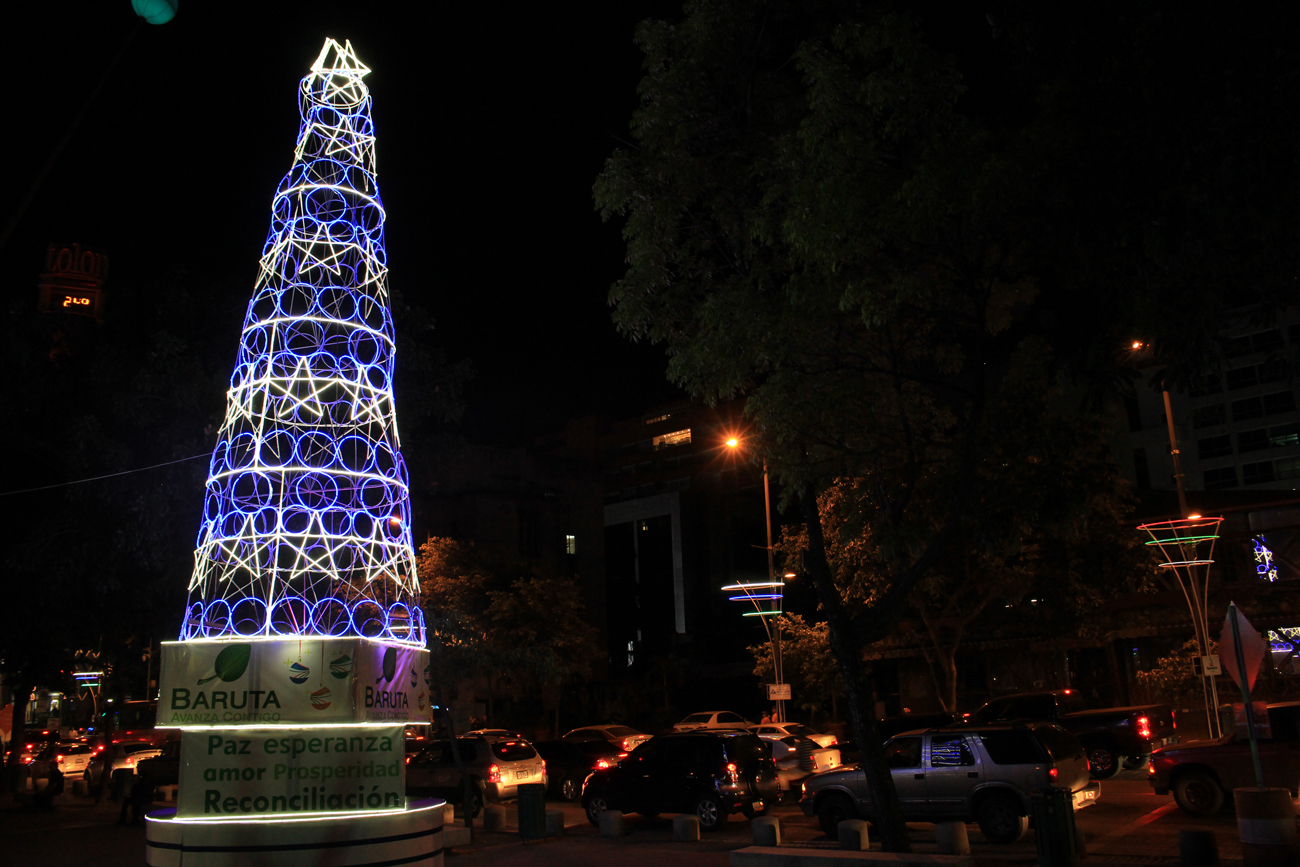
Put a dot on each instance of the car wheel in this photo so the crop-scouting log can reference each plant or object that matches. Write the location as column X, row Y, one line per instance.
column 570, row 789
column 1198, row 793
column 1102, row 762
column 1001, row 819
column 1135, row 763
column 595, row 805
column 477, row 798
column 835, row 808
column 711, row 813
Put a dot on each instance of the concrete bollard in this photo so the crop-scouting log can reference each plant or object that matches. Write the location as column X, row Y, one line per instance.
column 686, row 828
column 766, row 830
column 1266, row 825
column 1198, row 848
column 554, row 823
column 853, row 835
column 611, row 824
column 952, row 838
column 448, row 815
column 494, row 818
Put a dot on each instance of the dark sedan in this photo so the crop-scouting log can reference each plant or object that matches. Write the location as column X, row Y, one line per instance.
column 711, row 773
column 569, row 763
column 1202, row 774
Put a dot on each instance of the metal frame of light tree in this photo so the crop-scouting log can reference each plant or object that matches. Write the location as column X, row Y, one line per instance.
column 1180, row 543
column 306, row 524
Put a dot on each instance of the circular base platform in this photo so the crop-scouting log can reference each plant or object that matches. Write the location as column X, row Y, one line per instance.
column 410, row 836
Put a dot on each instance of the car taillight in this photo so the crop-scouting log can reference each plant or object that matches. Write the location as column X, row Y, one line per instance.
column 408, row 760
column 1052, row 773
column 58, row 758
column 543, row 766
column 626, row 746
column 1173, row 719
column 1151, row 769
column 731, row 771
column 494, row 774
column 130, row 762
column 834, row 740
column 601, row 764
column 1144, row 727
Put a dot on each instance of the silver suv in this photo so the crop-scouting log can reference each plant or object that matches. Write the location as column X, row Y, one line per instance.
column 966, row 773
column 497, row 765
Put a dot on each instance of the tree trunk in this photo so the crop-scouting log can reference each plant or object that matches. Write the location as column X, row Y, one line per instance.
column 848, row 650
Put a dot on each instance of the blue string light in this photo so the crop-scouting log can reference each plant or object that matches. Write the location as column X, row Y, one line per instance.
column 306, row 524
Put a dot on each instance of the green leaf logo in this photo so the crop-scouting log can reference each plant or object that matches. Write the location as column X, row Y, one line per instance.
column 390, row 665
column 341, row 667
column 231, row 663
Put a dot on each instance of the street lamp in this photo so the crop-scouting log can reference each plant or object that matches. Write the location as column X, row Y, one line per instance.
column 766, row 596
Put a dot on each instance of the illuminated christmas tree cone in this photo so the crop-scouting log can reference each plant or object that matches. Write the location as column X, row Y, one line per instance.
column 301, row 658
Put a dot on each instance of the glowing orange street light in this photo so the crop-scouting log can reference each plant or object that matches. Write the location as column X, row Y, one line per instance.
column 732, row 443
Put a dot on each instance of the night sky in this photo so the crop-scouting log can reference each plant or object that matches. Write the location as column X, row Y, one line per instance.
column 492, row 124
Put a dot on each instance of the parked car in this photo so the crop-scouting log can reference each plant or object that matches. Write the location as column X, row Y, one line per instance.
column 785, row 729
column 163, row 769
column 33, row 742
column 797, row 758
column 569, row 763
column 713, row 719
column 625, row 738
column 1202, row 774
column 119, row 756
column 962, row 773
column 496, row 765
column 1109, row 734
column 711, row 774
column 72, row 758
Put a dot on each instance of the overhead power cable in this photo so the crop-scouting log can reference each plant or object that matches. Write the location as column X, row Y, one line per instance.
column 109, row 476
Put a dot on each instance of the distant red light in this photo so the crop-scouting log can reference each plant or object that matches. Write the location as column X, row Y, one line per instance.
column 1052, row 773
column 601, row 764
column 1144, row 727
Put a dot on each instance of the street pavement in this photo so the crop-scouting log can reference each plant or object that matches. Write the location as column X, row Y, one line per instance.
column 1129, row 825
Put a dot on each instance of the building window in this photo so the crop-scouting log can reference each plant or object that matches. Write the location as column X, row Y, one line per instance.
column 1251, row 407
column 1141, row 472
column 1208, row 416
column 1257, row 473
column 1203, row 385
column 571, row 544
column 1217, row 480
column 1242, row 377
column 659, row 418
column 1279, row 402
column 1216, row 447
column 676, row 438
column 1283, row 435
column 1286, row 468
column 1266, row 341
column 1252, row 441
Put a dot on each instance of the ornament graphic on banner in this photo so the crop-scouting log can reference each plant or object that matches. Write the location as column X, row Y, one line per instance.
column 306, row 522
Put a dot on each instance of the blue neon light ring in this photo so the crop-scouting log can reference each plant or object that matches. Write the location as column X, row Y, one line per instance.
column 306, row 524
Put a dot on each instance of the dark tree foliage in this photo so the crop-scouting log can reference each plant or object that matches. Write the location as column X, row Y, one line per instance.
column 864, row 216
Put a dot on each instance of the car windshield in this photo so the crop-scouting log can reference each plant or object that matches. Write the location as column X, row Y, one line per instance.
column 621, row 731
column 799, row 729
column 513, row 751
column 698, row 717
column 135, row 748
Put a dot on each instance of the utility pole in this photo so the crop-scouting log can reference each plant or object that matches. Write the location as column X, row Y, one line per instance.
column 771, row 577
column 1173, row 450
